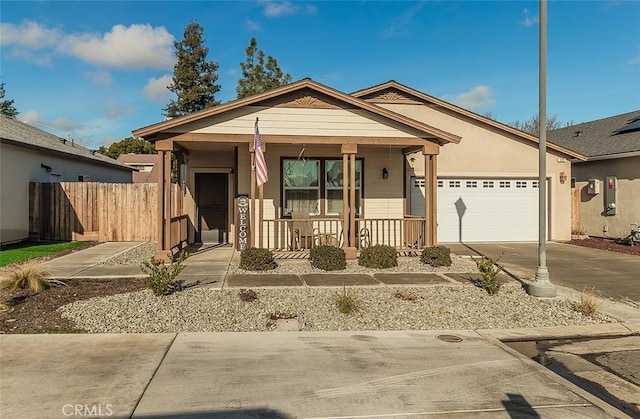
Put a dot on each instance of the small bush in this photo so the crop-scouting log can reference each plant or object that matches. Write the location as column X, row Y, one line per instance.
column 489, row 270
column 436, row 256
column 161, row 279
column 29, row 276
column 5, row 307
column 248, row 296
column 257, row 259
column 589, row 304
column 347, row 302
column 328, row 258
column 378, row 257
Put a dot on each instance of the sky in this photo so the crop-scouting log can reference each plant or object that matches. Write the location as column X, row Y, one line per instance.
column 95, row 71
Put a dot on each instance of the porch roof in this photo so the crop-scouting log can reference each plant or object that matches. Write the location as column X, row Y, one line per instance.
column 175, row 127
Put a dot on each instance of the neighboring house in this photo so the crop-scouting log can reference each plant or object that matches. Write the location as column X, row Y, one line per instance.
column 145, row 164
column 482, row 176
column 607, row 184
column 29, row 154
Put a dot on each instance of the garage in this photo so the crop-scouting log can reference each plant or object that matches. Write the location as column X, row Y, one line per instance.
column 482, row 209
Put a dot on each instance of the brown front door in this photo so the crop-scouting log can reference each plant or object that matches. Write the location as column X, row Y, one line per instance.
column 213, row 207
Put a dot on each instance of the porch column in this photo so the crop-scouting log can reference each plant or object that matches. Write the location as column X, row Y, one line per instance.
column 430, row 197
column 348, row 199
column 252, row 195
column 164, row 205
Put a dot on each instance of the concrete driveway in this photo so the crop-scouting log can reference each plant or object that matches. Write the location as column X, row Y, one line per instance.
column 614, row 275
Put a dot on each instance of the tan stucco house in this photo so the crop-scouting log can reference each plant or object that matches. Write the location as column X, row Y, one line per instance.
column 29, row 154
column 424, row 172
column 607, row 185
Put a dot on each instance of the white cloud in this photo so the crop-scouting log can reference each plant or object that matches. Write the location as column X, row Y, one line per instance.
column 100, row 77
column 529, row 20
column 156, row 89
column 64, row 124
column 133, row 47
column 251, row 25
column 114, row 110
column 480, row 97
column 29, row 35
column 400, row 22
column 30, row 116
column 635, row 61
column 274, row 8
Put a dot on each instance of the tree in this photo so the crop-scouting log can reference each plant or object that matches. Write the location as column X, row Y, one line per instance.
column 530, row 126
column 6, row 106
column 194, row 78
column 128, row 145
column 258, row 77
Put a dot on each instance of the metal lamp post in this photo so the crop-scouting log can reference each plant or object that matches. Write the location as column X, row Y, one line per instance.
column 542, row 287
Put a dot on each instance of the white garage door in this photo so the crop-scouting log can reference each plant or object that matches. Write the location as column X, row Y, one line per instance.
column 482, row 210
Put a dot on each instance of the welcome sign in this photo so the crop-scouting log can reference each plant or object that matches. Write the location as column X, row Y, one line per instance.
column 243, row 226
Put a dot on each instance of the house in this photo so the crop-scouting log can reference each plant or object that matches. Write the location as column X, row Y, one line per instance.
column 145, row 164
column 29, row 154
column 607, row 185
column 481, row 176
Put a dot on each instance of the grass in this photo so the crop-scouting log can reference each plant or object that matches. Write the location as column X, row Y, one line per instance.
column 24, row 251
column 347, row 302
column 589, row 304
column 29, row 276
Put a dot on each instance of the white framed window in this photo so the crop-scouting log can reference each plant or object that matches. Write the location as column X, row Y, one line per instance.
column 487, row 184
column 333, row 186
column 440, row 184
column 505, row 184
column 472, row 184
column 521, row 184
column 301, row 186
column 534, row 184
column 454, row 183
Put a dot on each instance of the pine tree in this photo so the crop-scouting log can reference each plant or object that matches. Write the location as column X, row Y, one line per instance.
column 258, row 77
column 6, row 106
column 194, row 78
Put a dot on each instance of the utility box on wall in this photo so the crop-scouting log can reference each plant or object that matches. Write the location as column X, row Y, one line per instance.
column 611, row 187
column 593, row 186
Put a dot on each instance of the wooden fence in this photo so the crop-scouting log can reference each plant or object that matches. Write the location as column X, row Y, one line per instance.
column 95, row 211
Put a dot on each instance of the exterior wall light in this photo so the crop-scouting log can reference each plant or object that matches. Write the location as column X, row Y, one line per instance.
column 563, row 177
column 385, row 173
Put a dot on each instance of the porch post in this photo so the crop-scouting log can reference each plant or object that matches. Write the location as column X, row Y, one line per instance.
column 252, row 195
column 430, row 198
column 166, row 177
column 434, row 199
column 349, row 200
column 160, row 210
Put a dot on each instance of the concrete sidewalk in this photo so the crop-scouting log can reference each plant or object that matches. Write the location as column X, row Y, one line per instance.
column 282, row 375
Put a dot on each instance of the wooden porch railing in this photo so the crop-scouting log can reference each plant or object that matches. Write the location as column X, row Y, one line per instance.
column 285, row 235
column 178, row 226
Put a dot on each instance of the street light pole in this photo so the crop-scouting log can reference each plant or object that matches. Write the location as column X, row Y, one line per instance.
column 542, row 287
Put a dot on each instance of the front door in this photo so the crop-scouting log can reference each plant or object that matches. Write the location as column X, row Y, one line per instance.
column 212, row 205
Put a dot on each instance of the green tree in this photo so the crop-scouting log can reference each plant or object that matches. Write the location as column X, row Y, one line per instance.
column 128, row 145
column 258, row 77
column 194, row 78
column 6, row 106
column 531, row 125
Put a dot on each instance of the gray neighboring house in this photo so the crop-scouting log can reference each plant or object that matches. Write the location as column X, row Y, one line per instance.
column 29, row 154
column 607, row 184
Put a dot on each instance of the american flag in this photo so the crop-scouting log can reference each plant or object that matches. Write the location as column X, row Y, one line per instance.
column 261, row 165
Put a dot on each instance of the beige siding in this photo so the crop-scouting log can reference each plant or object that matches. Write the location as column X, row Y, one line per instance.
column 298, row 121
column 592, row 220
column 487, row 152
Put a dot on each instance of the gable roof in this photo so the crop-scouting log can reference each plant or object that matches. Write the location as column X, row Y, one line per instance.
column 150, row 132
column 18, row 133
column 615, row 136
column 136, row 159
column 389, row 87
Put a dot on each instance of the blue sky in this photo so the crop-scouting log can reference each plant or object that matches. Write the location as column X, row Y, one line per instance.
column 95, row 71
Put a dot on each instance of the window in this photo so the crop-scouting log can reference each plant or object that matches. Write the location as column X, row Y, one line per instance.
column 534, row 184
column 472, row 184
column 301, row 186
column 314, row 186
column 505, row 184
column 441, row 184
column 454, row 183
column 487, row 184
column 521, row 184
column 83, row 178
column 333, row 186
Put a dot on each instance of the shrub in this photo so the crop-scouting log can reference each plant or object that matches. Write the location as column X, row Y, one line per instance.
column 28, row 276
column 257, row 259
column 379, row 257
column 248, row 296
column 161, row 279
column 589, row 304
column 436, row 256
column 328, row 258
column 347, row 302
column 5, row 307
column 489, row 270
